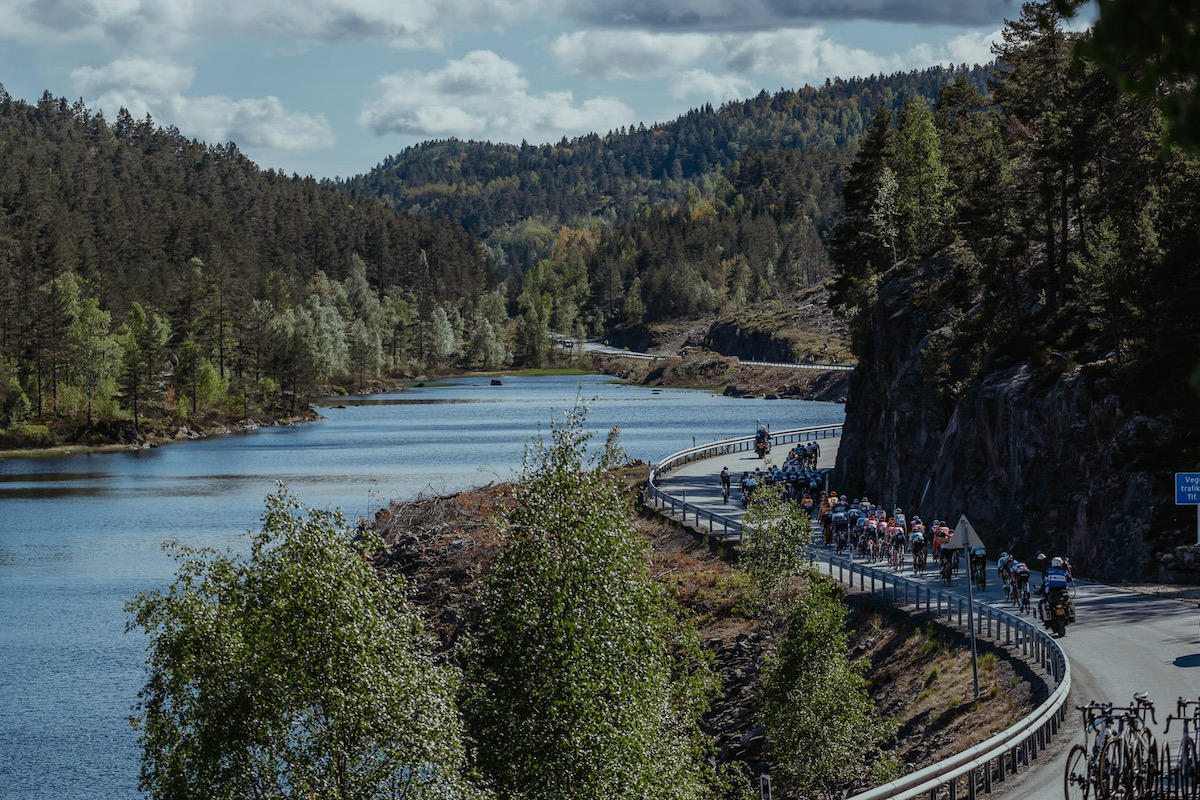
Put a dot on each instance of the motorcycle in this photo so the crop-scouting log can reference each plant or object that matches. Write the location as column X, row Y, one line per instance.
column 762, row 447
column 1057, row 611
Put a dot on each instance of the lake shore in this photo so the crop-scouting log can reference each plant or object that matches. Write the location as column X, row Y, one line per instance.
column 700, row 370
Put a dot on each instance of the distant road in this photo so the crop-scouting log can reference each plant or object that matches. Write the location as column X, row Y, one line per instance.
column 1123, row 642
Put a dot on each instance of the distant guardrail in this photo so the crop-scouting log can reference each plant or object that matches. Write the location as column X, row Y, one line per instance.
column 787, row 365
column 730, row 529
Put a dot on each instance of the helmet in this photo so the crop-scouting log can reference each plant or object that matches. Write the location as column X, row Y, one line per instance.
column 1056, row 562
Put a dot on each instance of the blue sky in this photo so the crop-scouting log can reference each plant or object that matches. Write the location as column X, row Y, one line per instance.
column 331, row 87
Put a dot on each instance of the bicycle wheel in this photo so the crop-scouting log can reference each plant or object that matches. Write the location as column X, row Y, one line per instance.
column 1142, row 759
column 1077, row 784
column 1111, row 773
column 1189, row 772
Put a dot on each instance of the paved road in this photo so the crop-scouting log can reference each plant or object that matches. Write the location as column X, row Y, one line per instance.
column 1122, row 642
column 700, row 481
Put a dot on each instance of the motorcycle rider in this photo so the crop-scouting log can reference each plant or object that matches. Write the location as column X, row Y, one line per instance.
column 1054, row 589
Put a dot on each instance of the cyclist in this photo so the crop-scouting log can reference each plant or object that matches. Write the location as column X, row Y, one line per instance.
column 916, row 540
column 899, row 542
column 725, row 483
column 1002, row 566
column 948, row 559
column 941, row 535
column 1020, row 572
column 825, row 515
column 749, row 484
column 979, row 566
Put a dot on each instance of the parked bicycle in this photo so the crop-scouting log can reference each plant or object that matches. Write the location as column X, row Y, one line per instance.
column 1119, row 757
column 1181, row 778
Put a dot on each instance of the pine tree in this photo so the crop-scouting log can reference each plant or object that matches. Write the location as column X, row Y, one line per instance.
column 921, row 181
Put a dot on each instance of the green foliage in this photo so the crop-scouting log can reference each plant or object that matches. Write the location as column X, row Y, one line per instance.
column 583, row 681
column 295, row 672
column 921, row 179
column 613, row 455
column 485, row 347
column 1152, row 49
column 823, row 725
column 14, row 403
column 443, row 340
column 861, row 241
column 776, row 547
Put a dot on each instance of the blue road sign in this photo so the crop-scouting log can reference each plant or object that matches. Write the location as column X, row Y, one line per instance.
column 1187, row 488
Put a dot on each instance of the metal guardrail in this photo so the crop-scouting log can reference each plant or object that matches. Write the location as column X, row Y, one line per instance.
column 719, row 524
column 976, row 768
column 793, row 365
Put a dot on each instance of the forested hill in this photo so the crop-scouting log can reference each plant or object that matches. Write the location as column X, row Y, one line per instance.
column 125, row 205
column 142, row 271
column 495, row 188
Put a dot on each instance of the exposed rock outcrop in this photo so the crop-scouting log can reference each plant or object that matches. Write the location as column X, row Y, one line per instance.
column 1038, row 452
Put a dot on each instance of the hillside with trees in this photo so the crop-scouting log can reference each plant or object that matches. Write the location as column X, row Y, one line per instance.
column 1013, row 267
column 150, row 279
column 700, row 215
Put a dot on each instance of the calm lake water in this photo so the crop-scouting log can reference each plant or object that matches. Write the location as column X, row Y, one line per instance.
column 79, row 536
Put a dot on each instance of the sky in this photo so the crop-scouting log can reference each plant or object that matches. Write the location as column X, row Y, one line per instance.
column 330, row 88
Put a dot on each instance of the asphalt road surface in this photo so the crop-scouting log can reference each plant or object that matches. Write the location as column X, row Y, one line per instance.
column 1122, row 642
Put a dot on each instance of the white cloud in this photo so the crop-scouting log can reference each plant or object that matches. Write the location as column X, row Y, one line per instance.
column 159, row 87
column 631, row 54
column 168, row 23
column 252, row 123
column 484, row 96
column 790, row 56
column 716, row 67
column 971, row 48
column 155, row 77
column 699, row 83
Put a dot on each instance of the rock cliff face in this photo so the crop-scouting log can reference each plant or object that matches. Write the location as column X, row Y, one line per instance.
column 1040, row 457
column 729, row 339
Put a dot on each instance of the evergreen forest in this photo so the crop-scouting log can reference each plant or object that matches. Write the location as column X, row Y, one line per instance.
column 147, row 277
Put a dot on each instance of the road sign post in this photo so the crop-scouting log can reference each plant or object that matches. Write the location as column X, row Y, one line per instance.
column 1187, row 493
